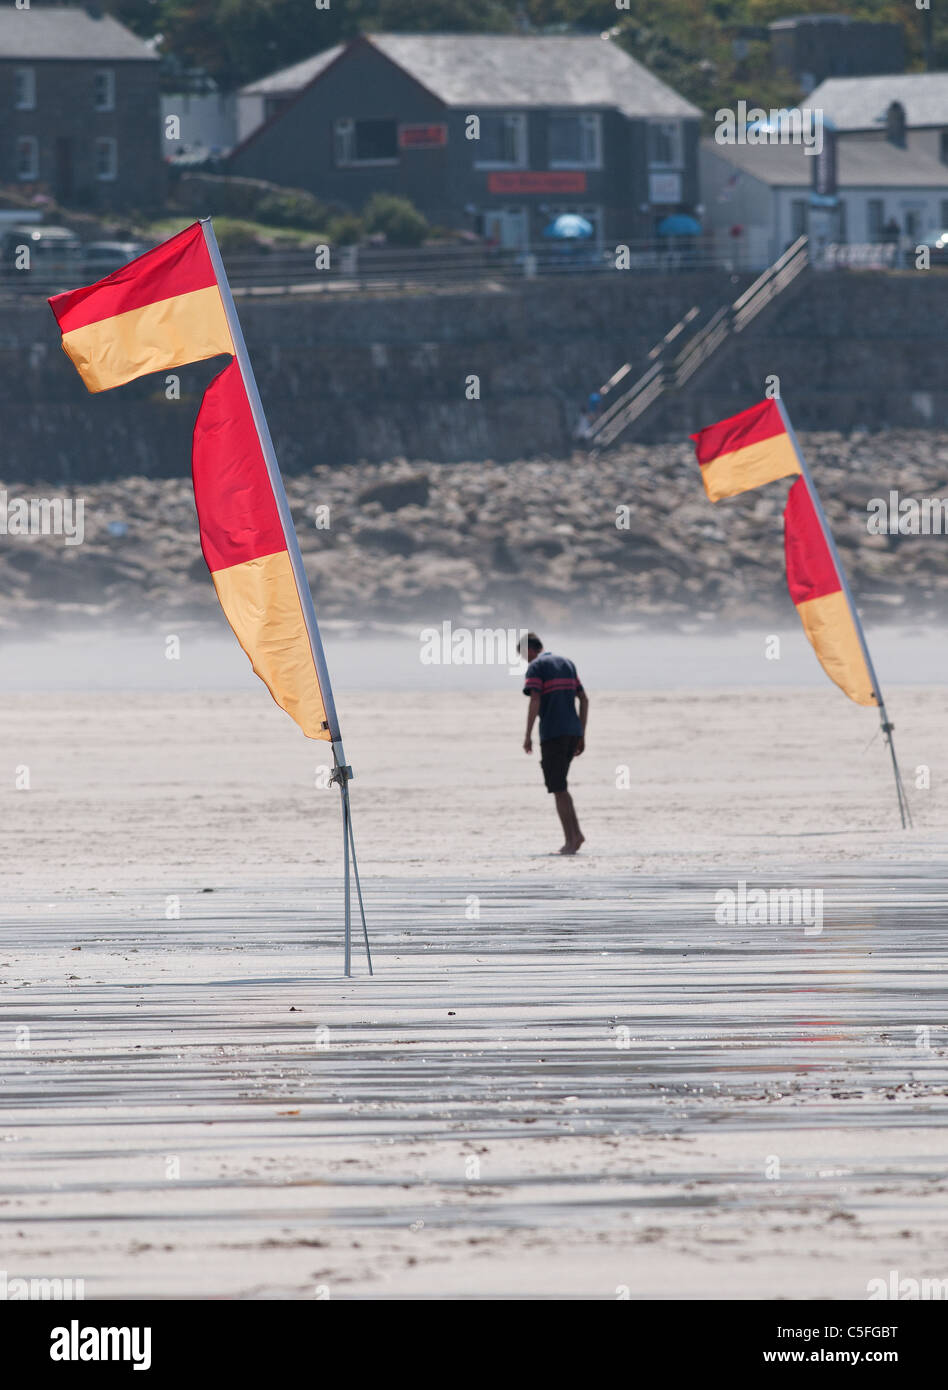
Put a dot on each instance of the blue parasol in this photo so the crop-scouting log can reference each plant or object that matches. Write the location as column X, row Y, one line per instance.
column 568, row 227
column 679, row 224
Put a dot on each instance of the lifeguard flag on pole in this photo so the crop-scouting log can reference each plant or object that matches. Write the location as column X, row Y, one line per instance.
column 817, row 591
column 757, row 447
column 246, row 550
column 745, row 451
column 162, row 310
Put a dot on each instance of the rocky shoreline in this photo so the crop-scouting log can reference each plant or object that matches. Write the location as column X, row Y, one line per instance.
column 624, row 537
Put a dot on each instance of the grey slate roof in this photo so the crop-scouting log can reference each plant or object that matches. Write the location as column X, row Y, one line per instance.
column 860, row 164
column 520, row 70
column 53, row 32
column 860, row 103
column 289, row 81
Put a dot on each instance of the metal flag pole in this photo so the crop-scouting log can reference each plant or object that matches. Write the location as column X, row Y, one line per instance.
column 349, row 846
column 345, row 860
column 355, row 870
column 342, row 773
column 887, row 725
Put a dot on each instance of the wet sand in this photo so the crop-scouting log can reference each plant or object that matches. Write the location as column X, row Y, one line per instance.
column 566, row 1077
column 580, row 1093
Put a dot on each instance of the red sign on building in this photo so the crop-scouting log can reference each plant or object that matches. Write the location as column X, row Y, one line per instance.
column 422, row 137
column 554, row 181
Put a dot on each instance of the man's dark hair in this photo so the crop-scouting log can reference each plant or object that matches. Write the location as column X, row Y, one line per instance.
column 532, row 643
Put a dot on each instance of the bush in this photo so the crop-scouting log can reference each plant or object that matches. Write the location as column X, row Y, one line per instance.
column 346, row 230
column 397, row 218
column 237, row 238
column 252, row 199
column 291, row 208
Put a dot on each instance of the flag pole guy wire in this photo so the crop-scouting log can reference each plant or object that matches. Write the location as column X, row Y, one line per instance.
column 887, row 726
column 342, row 773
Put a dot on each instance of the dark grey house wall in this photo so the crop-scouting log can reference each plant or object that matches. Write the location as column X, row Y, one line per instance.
column 66, row 124
column 296, row 149
column 691, row 185
column 644, row 214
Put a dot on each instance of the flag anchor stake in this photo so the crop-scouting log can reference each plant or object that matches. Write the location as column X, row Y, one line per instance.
column 887, row 729
column 342, row 774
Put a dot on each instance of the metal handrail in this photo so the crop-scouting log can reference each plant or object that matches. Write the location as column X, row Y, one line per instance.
column 368, row 267
column 663, row 375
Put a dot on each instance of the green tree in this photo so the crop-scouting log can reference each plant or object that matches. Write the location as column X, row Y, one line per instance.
column 687, row 43
column 141, row 16
column 236, row 41
column 440, row 16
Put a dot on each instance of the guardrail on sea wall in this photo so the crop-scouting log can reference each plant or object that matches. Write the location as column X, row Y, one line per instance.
column 318, row 267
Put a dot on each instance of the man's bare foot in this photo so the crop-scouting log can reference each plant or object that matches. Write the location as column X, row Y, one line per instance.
column 577, row 843
column 566, row 849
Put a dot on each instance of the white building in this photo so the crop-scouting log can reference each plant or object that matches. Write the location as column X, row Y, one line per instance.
column 204, row 124
column 757, row 197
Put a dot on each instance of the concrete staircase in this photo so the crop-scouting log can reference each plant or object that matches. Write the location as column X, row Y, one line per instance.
column 686, row 353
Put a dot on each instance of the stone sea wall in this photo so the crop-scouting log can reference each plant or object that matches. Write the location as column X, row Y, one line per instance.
column 346, row 378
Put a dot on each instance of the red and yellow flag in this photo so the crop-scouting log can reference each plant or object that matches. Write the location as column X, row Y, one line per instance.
column 159, row 311
column 817, row 591
column 745, row 451
column 245, row 547
column 164, row 310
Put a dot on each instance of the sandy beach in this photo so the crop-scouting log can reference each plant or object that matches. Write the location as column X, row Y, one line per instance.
column 389, row 345
column 566, row 1079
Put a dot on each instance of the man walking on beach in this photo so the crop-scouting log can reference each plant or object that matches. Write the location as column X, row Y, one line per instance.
column 554, row 687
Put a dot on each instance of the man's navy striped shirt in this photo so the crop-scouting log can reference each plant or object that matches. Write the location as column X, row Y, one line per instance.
column 556, row 681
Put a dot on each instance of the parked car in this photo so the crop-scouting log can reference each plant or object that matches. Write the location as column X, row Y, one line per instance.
column 54, row 261
column 102, row 257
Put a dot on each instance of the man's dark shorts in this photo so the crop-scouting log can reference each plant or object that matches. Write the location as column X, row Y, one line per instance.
column 556, row 754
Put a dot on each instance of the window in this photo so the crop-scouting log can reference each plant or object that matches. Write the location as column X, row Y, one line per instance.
column 365, row 142
column 875, row 218
column 944, row 216
column 106, row 158
column 943, row 146
column 664, row 188
column 798, row 218
column 104, row 98
column 664, row 144
column 503, row 141
column 24, row 89
column 27, row 158
column 576, row 142
column 843, row 222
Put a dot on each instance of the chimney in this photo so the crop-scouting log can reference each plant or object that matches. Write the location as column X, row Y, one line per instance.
column 895, row 124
